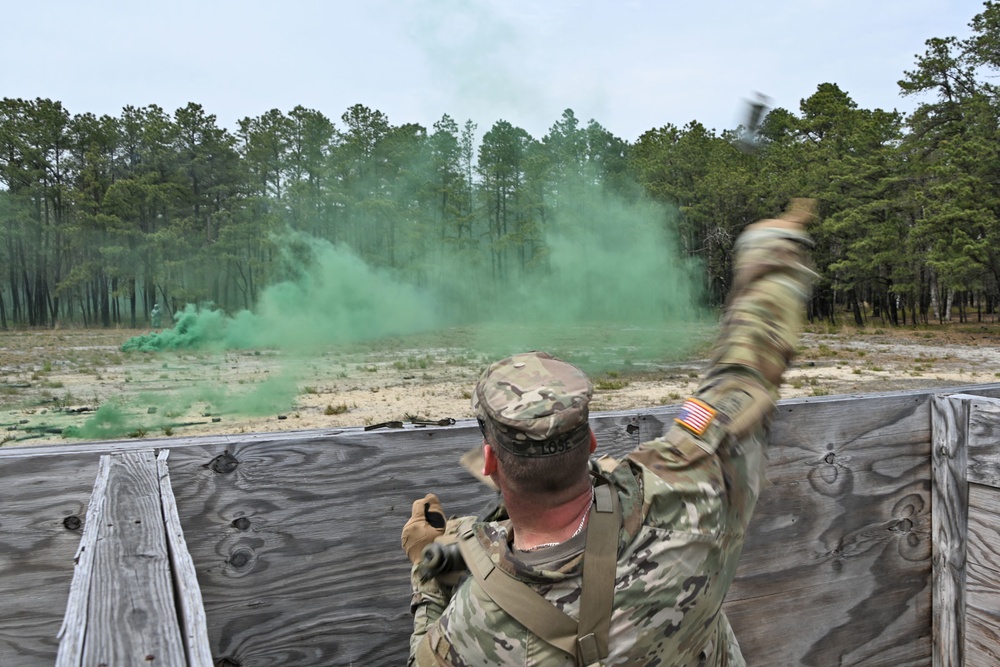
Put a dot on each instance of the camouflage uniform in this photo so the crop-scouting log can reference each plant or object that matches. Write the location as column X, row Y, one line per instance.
column 686, row 498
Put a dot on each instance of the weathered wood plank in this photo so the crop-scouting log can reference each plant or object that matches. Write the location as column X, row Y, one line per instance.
column 982, row 640
column 297, row 546
column 982, row 644
column 949, row 512
column 984, row 442
column 74, row 628
column 844, row 534
column 42, row 517
column 774, row 641
column 190, row 608
column 984, row 526
column 131, row 616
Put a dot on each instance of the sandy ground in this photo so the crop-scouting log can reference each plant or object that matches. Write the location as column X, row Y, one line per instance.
column 52, row 382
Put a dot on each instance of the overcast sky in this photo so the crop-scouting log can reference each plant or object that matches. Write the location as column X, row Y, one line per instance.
column 632, row 65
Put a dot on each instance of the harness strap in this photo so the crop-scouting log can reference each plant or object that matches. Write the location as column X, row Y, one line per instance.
column 598, row 592
column 517, row 599
column 586, row 640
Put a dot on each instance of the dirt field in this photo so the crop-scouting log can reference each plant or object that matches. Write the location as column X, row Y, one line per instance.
column 76, row 385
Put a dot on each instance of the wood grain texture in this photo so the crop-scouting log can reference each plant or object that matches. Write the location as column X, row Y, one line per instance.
column 838, row 554
column 131, row 616
column 190, row 608
column 73, row 632
column 295, row 536
column 949, row 512
column 984, row 526
column 984, row 442
column 42, row 517
column 982, row 641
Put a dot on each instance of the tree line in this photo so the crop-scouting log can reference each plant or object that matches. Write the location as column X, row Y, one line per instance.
column 101, row 217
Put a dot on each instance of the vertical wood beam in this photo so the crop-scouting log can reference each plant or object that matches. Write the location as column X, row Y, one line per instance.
column 949, row 525
column 191, row 608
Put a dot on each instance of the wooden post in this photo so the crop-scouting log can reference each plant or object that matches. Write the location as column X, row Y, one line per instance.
column 949, row 519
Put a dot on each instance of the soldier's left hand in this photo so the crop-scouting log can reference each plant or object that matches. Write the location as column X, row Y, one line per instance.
column 427, row 521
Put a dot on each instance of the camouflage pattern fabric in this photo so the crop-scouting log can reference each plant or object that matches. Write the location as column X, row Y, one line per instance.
column 535, row 404
column 686, row 502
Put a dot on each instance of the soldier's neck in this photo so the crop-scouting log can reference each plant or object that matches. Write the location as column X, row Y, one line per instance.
column 537, row 525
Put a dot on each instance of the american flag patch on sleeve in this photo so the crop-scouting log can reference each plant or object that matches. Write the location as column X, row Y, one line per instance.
column 695, row 416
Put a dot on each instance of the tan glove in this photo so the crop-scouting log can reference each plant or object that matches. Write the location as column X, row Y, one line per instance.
column 427, row 521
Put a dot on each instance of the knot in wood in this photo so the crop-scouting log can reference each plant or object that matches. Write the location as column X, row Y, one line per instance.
column 224, row 463
column 241, row 559
column 901, row 526
column 72, row 522
column 241, row 523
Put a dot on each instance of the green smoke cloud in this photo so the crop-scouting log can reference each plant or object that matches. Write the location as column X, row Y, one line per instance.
column 333, row 297
column 602, row 284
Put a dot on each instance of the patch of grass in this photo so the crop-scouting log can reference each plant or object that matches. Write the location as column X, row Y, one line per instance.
column 310, row 390
column 467, row 395
column 856, row 371
column 611, row 385
column 336, row 409
column 817, row 391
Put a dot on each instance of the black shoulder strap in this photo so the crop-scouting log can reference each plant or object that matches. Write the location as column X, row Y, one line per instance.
column 586, row 641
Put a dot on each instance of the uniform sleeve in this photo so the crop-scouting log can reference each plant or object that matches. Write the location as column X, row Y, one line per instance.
column 757, row 340
column 430, row 598
column 427, row 604
column 772, row 281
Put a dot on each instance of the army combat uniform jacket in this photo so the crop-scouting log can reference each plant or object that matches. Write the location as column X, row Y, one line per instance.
column 686, row 500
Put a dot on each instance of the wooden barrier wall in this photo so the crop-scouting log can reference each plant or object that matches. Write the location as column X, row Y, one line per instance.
column 295, row 536
column 966, row 511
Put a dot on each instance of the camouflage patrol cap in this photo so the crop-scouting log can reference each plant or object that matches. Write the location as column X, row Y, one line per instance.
column 533, row 404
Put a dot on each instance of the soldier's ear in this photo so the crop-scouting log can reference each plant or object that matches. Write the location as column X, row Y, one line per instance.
column 593, row 442
column 489, row 460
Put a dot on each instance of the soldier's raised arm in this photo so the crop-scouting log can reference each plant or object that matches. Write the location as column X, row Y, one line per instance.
column 771, row 282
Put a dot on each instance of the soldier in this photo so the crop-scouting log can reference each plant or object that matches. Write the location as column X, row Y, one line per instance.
column 551, row 584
